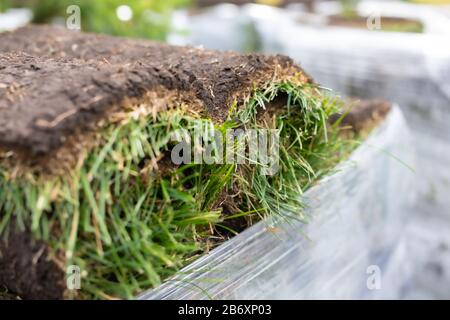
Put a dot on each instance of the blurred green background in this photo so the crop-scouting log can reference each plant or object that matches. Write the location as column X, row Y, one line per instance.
column 151, row 18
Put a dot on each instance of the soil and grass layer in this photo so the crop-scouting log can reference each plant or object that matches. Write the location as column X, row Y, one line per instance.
column 86, row 179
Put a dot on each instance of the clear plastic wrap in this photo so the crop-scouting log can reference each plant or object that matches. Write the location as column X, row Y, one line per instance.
column 222, row 27
column 14, row 18
column 231, row 27
column 357, row 218
column 434, row 18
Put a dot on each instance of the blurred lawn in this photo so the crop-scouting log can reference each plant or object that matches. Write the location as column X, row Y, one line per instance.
column 151, row 18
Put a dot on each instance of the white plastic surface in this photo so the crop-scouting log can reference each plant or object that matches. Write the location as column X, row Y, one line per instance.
column 222, row 27
column 14, row 18
column 231, row 27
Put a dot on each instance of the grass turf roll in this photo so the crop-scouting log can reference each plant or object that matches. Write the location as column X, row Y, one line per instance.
column 86, row 179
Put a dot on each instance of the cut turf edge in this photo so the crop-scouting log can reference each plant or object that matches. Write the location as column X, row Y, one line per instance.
column 129, row 219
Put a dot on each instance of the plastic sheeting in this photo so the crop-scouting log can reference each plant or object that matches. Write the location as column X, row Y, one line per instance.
column 14, row 18
column 231, row 27
column 434, row 18
column 357, row 218
column 222, row 27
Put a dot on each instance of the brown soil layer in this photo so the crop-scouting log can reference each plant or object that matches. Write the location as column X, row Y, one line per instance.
column 54, row 82
column 26, row 268
column 362, row 117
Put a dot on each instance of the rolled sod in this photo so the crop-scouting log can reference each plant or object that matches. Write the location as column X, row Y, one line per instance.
column 86, row 178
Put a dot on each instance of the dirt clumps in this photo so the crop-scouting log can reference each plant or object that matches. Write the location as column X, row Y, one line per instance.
column 27, row 269
column 55, row 82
